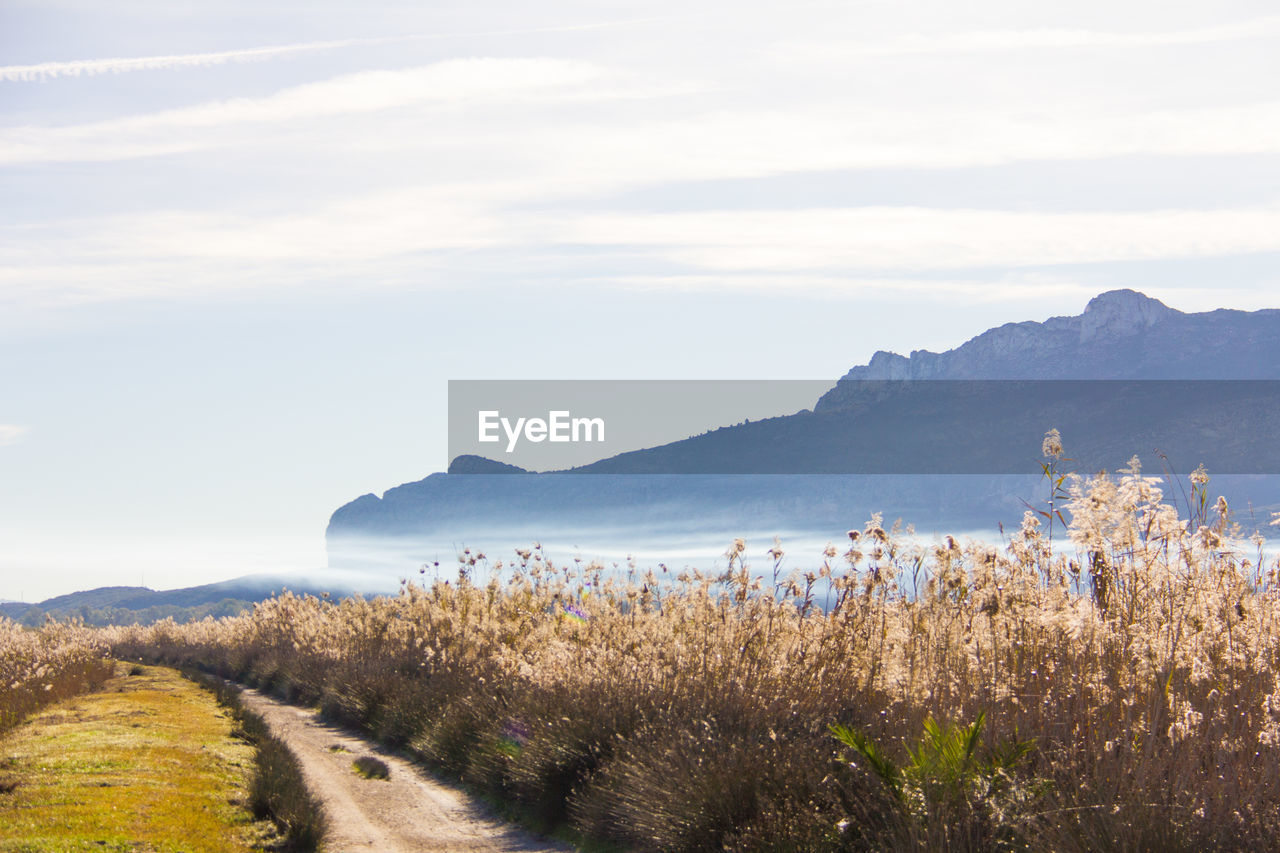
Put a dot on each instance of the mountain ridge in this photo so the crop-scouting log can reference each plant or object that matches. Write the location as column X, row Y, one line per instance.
column 1161, row 343
column 128, row 604
column 876, row 416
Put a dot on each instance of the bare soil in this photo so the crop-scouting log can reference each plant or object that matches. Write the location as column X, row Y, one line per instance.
column 408, row 811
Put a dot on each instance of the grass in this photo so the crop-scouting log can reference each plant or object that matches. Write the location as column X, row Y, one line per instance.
column 371, row 768
column 148, row 763
column 277, row 789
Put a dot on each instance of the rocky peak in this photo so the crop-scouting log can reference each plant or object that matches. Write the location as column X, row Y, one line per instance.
column 1123, row 312
column 1121, row 334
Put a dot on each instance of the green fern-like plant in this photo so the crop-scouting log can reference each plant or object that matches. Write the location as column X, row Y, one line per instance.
column 949, row 779
column 879, row 763
column 947, row 755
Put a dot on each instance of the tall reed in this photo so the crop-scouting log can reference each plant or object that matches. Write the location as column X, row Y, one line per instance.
column 45, row 665
column 1125, row 685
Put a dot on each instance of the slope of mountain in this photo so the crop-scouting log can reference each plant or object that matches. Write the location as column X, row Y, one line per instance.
column 892, row 426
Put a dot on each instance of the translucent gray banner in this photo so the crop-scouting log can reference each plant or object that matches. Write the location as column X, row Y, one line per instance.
column 860, row 427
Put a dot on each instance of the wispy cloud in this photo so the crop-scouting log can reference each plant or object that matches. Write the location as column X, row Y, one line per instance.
column 121, row 65
column 980, row 41
column 11, row 433
column 995, row 288
column 473, row 81
column 426, row 237
column 905, row 239
column 690, row 143
column 375, row 238
column 1026, row 285
column 394, row 175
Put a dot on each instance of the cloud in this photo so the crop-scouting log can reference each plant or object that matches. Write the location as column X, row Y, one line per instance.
column 751, row 143
column 472, row 82
column 551, row 114
column 486, row 168
column 11, row 433
column 996, row 288
column 430, row 237
column 982, row 41
column 377, row 237
column 904, row 238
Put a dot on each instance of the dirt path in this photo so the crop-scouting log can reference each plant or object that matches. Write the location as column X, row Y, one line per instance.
column 407, row 812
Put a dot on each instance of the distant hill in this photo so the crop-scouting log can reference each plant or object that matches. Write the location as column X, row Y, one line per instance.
column 129, row 605
column 1127, row 376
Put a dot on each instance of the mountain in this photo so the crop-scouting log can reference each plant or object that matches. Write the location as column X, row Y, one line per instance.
column 1122, row 334
column 124, row 605
column 949, row 438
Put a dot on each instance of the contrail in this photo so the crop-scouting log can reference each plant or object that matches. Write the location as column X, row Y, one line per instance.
column 121, row 65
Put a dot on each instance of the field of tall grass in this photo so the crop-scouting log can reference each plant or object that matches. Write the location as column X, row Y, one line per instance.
column 1105, row 679
column 41, row 666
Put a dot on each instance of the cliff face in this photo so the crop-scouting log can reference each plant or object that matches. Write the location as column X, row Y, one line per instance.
column 1122, row 334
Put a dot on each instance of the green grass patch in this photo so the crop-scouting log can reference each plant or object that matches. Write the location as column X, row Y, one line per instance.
column 148, row 763
column 371, row 768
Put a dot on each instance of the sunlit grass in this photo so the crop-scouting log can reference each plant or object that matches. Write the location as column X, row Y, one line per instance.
column 148, row 763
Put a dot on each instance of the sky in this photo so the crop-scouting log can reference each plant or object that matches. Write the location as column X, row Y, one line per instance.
column 245, row 246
